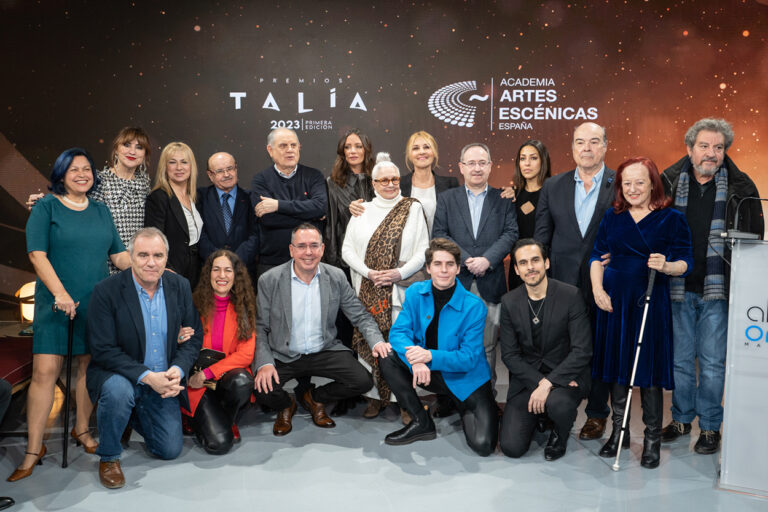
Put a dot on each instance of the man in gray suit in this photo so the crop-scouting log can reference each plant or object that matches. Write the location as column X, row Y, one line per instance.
column 485, row 227
column 571, row 206
column 296, row 333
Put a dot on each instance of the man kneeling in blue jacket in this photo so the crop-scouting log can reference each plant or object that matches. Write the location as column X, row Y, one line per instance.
column 438, row 338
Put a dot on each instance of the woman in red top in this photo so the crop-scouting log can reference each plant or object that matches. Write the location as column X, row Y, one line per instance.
column 224, row 297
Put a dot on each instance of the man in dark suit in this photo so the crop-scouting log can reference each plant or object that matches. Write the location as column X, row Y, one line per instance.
column 285, row 195
column 296, row 333
column 139, row 353
column 229, row 220
column 546, row 343
column 485, row 227
column 571, row 206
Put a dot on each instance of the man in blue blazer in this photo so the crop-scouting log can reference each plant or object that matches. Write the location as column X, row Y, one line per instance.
column 139, row 354
column 437, row 340
column 571, row 206
column 484, row 226
column 229, row 221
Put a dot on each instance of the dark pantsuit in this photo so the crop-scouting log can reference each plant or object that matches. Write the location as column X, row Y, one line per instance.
column 518, row 425
column 478, row 411
column 349, row 378
column 217, row 410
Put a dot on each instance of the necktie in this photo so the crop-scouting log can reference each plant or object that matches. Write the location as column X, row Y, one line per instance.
column 226, row 211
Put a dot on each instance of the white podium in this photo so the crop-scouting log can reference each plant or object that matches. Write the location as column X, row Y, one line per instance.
column 744, row 456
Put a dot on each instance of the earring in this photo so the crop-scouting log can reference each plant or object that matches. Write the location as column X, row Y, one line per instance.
column 143, row 167
column 115, row 163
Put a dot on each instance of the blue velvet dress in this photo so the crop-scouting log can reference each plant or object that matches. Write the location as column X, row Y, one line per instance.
column 625, row 279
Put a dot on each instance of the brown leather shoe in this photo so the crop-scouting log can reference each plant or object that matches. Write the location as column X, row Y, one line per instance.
column 317, row 410
column 111, row 475
column 593, row 429
column 283, row 423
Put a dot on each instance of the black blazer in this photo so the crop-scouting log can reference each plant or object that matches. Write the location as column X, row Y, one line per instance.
column 116, row 329
column 496, row 233
column 243, row 237
column 442, row 183
column 566, row 339
column 165, row 213
column 557, row 228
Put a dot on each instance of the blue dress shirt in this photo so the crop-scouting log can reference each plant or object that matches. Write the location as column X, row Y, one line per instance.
column 476, row 207
column 232, row 195
column 306, row 321
column 585, row 201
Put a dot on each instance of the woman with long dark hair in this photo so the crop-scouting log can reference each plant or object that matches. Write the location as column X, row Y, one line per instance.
column 218, row 392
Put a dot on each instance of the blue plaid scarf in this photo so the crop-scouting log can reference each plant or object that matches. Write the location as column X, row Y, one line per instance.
column 714, row 280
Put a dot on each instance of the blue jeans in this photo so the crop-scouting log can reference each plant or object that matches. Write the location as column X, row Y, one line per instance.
column 157, row 419
column 700, row 330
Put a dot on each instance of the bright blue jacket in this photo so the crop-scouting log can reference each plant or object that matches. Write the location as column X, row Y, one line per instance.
column 460, row 356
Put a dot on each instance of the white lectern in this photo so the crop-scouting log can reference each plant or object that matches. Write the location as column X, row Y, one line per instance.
column 744, row 458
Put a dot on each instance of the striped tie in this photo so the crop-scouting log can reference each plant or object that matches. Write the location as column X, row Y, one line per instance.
column 226, row 211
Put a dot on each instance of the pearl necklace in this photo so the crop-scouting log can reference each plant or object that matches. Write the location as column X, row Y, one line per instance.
column 81, row 204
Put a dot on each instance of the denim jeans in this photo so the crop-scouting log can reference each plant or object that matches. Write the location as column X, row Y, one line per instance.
column 157, row 419
column 700, row 330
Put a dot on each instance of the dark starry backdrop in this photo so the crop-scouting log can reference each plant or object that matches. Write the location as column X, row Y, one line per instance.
column 76, row 72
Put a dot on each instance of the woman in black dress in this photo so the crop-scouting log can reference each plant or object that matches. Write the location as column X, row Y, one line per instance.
column 531, row 170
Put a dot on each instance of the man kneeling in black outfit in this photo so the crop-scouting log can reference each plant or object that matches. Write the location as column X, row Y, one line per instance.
column 438, row 342
column 546, row 343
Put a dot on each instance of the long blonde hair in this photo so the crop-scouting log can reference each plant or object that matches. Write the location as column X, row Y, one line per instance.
column 161, row 178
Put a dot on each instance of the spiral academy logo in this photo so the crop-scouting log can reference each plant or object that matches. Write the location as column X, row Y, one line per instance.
column 446, row 103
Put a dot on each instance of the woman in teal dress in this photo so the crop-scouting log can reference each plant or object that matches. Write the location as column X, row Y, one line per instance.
column 68, row 240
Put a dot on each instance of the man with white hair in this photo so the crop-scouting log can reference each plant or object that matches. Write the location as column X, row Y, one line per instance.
column 707, row 187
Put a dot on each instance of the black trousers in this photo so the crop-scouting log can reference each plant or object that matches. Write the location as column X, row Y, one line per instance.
column 518, row 425
column 478, row 410
column 349, row 378
column 217, row 410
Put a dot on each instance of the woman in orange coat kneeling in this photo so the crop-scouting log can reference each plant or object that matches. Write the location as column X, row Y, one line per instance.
column 221, row 383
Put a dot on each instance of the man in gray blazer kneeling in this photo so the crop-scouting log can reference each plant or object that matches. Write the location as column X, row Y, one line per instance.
column 296, row 333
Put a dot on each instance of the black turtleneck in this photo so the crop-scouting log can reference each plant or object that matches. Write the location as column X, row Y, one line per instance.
column 441, row 298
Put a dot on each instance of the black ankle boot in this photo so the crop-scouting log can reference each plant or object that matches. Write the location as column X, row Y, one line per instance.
column 421, row 428
column 652, row 412
column 618, row 404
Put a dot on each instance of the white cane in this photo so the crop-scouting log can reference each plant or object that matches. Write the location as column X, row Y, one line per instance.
column 648, row 292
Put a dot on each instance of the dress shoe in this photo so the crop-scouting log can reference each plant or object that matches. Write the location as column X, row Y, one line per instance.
column 317, row 410
column 414, row 431
column 24, row 473
column 611, row 446
column 6, row 502
column 283, row 421
column 651, row 451
column 708, row 443
column 373, row 409
column 111, row 475
column 555, row 446
column 594, row 428
column 88, row 449
column 444, row 407
column 236, row 434
column 675, row 430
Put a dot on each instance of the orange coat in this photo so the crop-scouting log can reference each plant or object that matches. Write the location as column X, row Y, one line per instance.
column 239, row 353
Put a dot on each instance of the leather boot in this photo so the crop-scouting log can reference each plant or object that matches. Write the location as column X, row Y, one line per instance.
column 421, row 428
column 618, row 403
column 651, row 399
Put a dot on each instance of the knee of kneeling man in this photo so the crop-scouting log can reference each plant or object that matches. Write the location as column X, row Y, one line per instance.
column 170, row 449
column 219, row 447
column 483, row 446
column 513, row 450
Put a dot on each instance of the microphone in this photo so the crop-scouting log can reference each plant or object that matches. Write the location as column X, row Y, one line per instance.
column 735, row 233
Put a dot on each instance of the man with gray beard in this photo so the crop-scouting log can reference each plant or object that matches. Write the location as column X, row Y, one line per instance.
column 707, row 187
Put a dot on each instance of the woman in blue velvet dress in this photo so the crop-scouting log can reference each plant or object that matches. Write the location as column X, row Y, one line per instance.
column 640, row 233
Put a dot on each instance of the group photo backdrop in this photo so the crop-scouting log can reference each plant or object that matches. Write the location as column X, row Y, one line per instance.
column 220, row 75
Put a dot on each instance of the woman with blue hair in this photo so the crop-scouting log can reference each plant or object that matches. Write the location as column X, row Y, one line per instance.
column 69, row 238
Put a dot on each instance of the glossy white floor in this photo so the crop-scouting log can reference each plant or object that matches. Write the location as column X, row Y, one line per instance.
column 350, row 468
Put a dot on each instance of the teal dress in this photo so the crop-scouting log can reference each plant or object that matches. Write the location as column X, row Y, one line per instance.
column 77, row 244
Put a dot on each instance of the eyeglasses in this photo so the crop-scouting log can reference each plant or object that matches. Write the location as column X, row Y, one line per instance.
column 312, row 247
column 387, row 181
column 226, row 170
column 482, row 164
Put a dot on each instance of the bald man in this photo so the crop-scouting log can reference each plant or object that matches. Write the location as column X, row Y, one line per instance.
column 229, row 221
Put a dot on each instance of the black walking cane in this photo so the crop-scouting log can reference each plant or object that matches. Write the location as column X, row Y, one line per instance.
column 648, row 292
column 70, row 334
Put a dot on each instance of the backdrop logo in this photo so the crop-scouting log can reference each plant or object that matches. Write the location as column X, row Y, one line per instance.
column 757, row 328
column 446, row 104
